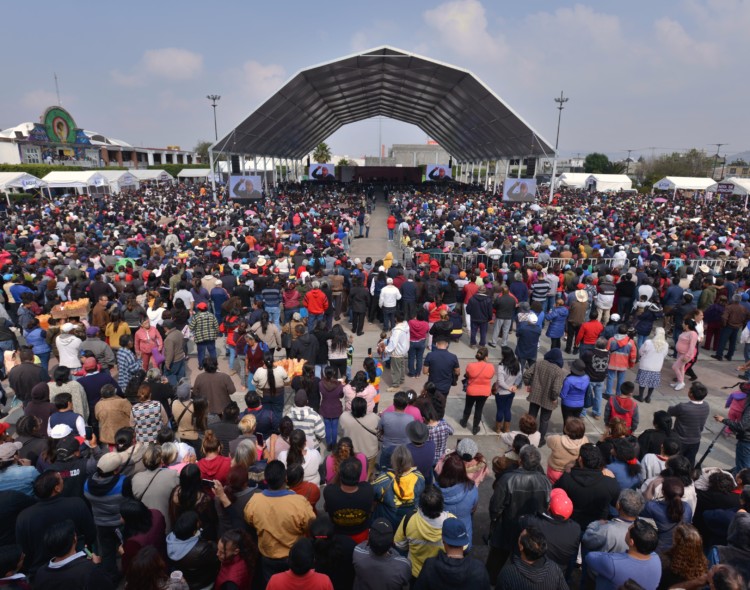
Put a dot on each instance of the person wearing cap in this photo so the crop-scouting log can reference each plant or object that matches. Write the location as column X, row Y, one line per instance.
column 578, row 306
column 420, row 533
column 104, row 492
column 205, row 331
column 522, row 491
column 174, row 353
column 422, row 450
column 377, row 565
column 26, row 375
column 69, row 347
column 563, row 534
column 104, row 354
column 388, row 302
column 15, row 473
column 93, row 381
column 530, row 568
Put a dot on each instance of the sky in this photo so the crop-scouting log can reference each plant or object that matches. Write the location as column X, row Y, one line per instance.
column 641, row 75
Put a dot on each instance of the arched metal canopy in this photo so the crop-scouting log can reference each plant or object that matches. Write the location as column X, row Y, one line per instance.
column 449, row 104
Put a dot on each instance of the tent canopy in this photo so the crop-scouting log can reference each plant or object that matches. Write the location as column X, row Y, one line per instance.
column 19, row 180
column 121, row 177
column 449, row 104
column 689, row 183
column 147, row 175
column 83, row 179
column 609, row 182
column 194, row 173
column 573, row 179
column 740, row 186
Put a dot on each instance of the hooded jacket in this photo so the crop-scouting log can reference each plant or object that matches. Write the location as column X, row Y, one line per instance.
column 69, row 348
column 591, row 492
column 461, row 500
column 622, row 353
column 543, row 574
column 444, row 573
column 574, row 390
column 104, row 493
column 479, row 308
column 557, row 318
column 195, row 558
column 564, row 449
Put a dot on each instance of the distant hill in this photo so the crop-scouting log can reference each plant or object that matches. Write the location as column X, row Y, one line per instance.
column 741, row 156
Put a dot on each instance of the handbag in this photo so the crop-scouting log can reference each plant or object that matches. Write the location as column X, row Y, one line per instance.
column 157, row 355
column 588, row 398
column 187, row 333
column 286, row 340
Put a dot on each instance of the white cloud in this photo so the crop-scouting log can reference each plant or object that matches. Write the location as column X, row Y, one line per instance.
column 261, row 80
column 37, row 100
column 170, row 63
column 674, row 38
column 462, row 26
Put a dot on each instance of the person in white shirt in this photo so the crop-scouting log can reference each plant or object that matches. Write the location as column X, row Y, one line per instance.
column 398, row 348
column 389, row 297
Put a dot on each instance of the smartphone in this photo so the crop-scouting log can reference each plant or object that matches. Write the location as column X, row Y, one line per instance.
column 260, row 439
column 208, row 483
column 89, row 432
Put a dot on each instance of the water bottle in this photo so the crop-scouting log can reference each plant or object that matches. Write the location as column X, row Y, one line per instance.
column 177, row 581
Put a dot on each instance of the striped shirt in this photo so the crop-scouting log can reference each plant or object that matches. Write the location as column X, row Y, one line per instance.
column 540, row 290
column 309, row 422
column 127, row 366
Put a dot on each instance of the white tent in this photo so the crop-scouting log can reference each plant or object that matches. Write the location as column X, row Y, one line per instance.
column 194, row 173
column 608, row 182
column 19, row 181
column 572, row 179
column 152, row 175
column 119, row 179
column 687, row 183
column 85, row 181
column 731, row 186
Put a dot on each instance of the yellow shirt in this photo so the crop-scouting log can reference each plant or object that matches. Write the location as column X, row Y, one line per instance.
column 113, row 336
column 281, row 518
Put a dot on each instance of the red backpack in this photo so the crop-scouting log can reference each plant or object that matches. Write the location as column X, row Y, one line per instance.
column 628, row 409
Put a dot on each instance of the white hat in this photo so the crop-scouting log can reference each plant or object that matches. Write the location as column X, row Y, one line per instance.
column 381, row 268
column 389, row 281
column 60, row 431
column 261, row 261
column 615, row 317
column 68, row 327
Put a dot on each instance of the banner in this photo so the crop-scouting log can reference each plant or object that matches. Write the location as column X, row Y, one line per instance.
column 438, row 172
column 322, row 172
column 725, row 188
column 519, row 189
column 245, row 187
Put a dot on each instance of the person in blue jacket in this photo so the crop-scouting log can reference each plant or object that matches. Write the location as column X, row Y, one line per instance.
column 37, row 339
column 557, row 318
column 573, row 392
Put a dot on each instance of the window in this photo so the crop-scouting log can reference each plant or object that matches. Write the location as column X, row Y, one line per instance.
column 32, row 155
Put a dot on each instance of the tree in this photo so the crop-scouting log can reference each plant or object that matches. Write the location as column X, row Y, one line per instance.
column 596, row 162
column 201, row 148
column 693, row 162
column 615, row 168
column 345, row 162
column 322, row 153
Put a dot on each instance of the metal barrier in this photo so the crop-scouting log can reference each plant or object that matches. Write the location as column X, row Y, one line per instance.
column 715, row 264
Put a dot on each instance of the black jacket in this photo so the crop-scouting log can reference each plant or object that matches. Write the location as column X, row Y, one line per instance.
column 444, row 573
column 591, row 492
column 563, row 536
column 359, row 299
column 79, row 574
column 479, row 308
column 543, row 574
column 200, row 566
column 518, row 492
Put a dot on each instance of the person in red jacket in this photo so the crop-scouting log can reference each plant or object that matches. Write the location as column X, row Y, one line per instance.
column 391, row 223
column 588, row 334
column 237, row 553
column 316, row 303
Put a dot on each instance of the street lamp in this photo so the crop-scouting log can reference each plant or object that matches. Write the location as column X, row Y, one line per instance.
column 215, row 98
column 561, row 100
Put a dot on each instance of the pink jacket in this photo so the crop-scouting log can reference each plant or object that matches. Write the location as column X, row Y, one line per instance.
column 146, row 340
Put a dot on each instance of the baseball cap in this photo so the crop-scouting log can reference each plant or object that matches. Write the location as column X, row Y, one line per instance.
column 560, row 504
column 92, row 331
column 202, row 306
column 60, row 431
column 109, row 463
column 8, row 450
column 454, row 533
column 381, row 535
column 67, row 446
column 68, row 327
column 467, row 449
column 615, row 317
column 389, row 281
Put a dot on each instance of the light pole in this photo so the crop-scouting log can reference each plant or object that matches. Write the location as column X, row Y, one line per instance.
column 561, row 100
column 215, row 98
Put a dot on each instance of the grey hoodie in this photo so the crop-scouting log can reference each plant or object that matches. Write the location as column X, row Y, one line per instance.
column 177, row 548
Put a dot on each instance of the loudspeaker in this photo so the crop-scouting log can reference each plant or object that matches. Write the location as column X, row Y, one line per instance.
column 308, row 162
column 450, row 162
column 236, row 165
column 530, row 164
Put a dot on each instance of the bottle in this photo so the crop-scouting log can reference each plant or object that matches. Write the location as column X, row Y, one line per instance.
column 177, row 581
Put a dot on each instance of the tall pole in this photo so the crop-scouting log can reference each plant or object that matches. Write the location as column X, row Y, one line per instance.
column 214, row 98
column 716, row 157
column 627, row 163
column 380, row 140
column 561, row 100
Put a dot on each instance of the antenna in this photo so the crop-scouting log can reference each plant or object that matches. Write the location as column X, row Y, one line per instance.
column 57, row 90
column 716, row 157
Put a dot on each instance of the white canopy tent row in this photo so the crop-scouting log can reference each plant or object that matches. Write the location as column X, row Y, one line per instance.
column 197, row 173
column 683, row 183
column 572, row 179
column 732, row 186
column 83, row 182
column 119, row 179
column 20, row 182
column 152, row 175
column 608, row 182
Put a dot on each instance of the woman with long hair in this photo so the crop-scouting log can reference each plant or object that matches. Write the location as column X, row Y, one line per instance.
column 62, row 383
column 238, row 554
column 460, row 495
column 397, row 490
column 147, row 571
column 338, row 347
column 333, row 553
column 232, row 498
column 508, row 381
column 668, row 512
column 281, row 441
column 652, row 355
column 686, row 345
column 191, row 495
column 116, row 327
column 359, row 386
column 625, row 465
column 331, row 393
column 268, row 332
column 269, row 382
column 133, row 314
column 155, row 311
column 310, row 383
column 299, row 454
column 141, row 527
column 697, row 316
column 652, row 439
column 479, row 376
column 344, row 449
column 147, row 416
column 213, row 465
column 685, row 560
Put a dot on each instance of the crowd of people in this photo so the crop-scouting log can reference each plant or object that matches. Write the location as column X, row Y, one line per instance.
column 119, row 465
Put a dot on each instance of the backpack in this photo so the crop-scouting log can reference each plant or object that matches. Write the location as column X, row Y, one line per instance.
column 626, row 416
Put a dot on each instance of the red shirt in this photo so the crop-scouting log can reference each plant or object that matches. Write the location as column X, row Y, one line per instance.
column 391, row 222
column 312, row 580
column 589, row 332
